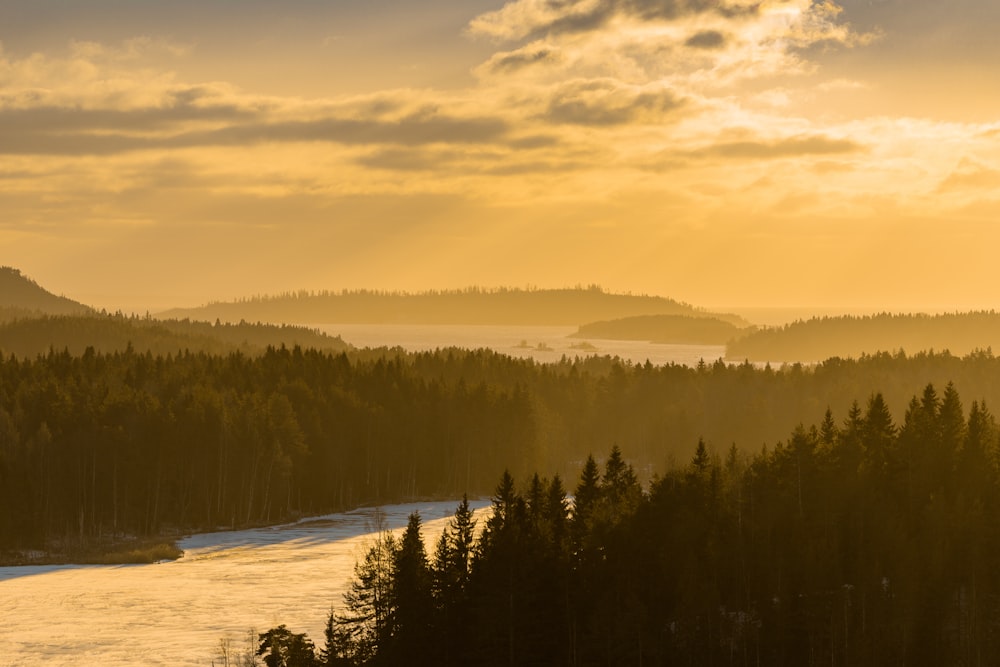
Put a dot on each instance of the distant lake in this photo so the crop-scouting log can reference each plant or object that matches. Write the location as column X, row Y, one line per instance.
column 544, row 344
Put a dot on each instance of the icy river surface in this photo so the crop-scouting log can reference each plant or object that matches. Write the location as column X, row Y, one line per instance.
column 176, row 613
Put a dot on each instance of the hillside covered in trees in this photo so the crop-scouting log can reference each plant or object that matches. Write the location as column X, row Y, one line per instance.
column 22, row 297
column 34, row 321
column 859, row 540
column 128, row 443
column 569, row 307
column 821, row 338
column 678, row 329
column 101, row 332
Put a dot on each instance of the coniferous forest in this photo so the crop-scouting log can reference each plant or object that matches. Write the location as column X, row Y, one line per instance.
column 856, row 541
column 97, row 446
column 706, row 536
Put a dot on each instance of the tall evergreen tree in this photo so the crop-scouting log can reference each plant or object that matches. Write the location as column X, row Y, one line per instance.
column 364, row 628
column 410, row 605
column 588, row 492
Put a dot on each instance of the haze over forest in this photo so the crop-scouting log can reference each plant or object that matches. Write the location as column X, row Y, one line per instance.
column 806, row 189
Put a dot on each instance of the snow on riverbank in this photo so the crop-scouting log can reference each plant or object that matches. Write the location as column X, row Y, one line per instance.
column 175, row 613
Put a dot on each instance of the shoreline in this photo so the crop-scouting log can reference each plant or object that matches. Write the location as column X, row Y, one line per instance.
column 163, row 546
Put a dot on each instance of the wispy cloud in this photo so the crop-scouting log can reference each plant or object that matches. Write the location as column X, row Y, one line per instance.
column 660, row 124
column 604, row 102
column 706, row 39
column 783, row 148
column 523, row 18
column 971, row 176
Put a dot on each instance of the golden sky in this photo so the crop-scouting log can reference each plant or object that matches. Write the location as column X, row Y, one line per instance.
column 721, row 152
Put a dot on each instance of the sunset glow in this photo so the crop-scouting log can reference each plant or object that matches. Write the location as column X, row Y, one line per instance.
column 724, row 153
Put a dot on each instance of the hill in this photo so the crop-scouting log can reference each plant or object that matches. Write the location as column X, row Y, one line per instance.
column 678, row 329
column 822, row 338
column 28, row 338
column 22, row 297
column 503, row 306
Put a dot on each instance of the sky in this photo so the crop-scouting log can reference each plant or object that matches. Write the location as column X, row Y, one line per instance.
column 721, row 152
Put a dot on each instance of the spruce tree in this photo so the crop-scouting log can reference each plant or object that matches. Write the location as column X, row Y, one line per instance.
column 410, row 605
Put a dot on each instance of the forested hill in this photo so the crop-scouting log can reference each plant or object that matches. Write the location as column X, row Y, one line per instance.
column 94, row 445
column 679, row 329
column 32, row 336
column 822, row 338
column 502, row 306
column 870, row 541
column 22, row 297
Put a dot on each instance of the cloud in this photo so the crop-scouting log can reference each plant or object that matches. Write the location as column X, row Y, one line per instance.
column 970, row 176
column 488, row 161
column 607, row 103
column 524, row 18
column 62, row 121
column 782, row 148
column 65, row 132
column 512, row 61
column 706, row 39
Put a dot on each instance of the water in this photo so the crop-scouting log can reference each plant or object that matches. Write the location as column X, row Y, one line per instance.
column 544, row 344
column 175, row 613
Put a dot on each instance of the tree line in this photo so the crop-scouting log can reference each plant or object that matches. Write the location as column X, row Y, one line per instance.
column 532, row 306
column 98, row 446
column 670, row 329
column 857, row 541
column 28, row 335
column 95, row 445
column 849, row 336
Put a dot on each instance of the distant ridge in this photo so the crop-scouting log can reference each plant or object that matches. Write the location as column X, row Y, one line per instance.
column 34, row 321
column 848, row 336
column 103, row 333
column 21, row 296
column 676, row 329
column 501, row 306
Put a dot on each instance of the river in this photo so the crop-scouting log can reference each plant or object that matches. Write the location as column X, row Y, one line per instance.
column 175, row 613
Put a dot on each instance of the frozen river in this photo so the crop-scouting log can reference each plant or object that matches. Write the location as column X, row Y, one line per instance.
column 176, row 613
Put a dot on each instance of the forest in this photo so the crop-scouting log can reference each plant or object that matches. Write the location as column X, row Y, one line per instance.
column 474, row 305
column 101, row 445
column 20, row 296
column 35, row 334
column 675, row 329
column 855, row 541
column 849, row 336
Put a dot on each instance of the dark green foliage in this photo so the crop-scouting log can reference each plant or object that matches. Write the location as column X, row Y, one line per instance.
column 280, row 647
column 675, row 329
column 848, row 336
column 28, row 337
column 365, row 627
column 410, row 602
column 467, row 306
column 98, row 446
column 833, row 547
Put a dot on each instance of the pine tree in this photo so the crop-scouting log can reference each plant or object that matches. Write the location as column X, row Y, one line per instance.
column 587, row 493
column 280, row 647
column 878, row 437
column 828, row 432
column 410, row 605
column 952, row 430
column 364, row 628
